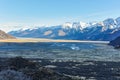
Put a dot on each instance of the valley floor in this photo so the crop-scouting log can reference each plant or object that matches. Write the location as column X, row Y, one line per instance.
column 20, row 40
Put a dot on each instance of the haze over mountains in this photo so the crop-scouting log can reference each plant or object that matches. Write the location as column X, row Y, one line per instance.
column 106, row 30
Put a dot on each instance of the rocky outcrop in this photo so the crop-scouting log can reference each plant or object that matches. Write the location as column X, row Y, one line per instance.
column 29, row 70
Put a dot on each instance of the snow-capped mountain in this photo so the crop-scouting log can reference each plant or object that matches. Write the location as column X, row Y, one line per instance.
column 75, row 25
column 109, row 23
column 108, row 29
column 118, row 22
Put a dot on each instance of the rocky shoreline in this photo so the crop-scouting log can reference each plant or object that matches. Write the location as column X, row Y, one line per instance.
column 45, row 69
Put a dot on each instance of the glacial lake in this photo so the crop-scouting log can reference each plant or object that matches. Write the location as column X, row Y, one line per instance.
column 61, row 51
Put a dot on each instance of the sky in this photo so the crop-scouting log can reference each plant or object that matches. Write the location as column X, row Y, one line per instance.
column 15, row 14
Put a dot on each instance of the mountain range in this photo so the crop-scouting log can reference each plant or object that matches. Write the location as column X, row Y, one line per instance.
column 106, row 30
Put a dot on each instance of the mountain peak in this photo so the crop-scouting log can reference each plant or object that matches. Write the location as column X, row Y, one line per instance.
column 118, row 21
column 67, row 25
column 75, row 25
column 109, row 23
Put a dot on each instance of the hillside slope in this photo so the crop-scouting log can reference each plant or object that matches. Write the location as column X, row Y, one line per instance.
column 4, row 35
column 116, row 42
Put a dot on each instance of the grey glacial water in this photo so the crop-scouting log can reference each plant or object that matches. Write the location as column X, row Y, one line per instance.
column 63, row 51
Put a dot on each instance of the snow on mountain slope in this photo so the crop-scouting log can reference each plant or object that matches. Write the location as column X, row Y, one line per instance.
column 67, row 25
column 109, row 23
column 75, row 25
column 118, row 22
column 104, row 30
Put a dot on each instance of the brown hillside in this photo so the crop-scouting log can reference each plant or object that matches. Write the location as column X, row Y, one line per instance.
column 4, row 35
